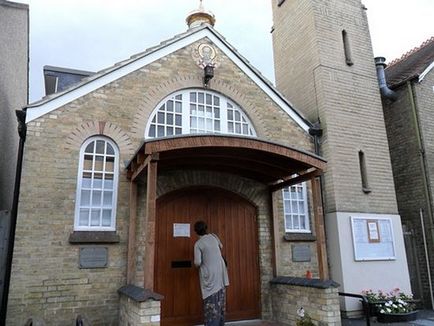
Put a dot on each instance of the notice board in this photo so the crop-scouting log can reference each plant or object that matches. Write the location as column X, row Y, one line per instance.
column 372, row 238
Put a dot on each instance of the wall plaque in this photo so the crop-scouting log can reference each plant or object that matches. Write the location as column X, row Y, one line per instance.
column 301, row 253
column 93, row 257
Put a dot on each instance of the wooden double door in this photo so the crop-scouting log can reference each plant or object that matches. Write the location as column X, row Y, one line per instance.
column 233, row 219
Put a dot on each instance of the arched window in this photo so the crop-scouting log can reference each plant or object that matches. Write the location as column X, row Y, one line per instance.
column 198, row 111
column 97, row 180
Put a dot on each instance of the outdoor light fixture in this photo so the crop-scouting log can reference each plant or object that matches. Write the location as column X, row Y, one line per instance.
column 208, row 74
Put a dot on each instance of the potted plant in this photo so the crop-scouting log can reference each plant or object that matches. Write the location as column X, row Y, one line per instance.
column 377, row 300
column 396, row 311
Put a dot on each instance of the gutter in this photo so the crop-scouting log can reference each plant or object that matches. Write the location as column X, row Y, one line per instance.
column 22, row 130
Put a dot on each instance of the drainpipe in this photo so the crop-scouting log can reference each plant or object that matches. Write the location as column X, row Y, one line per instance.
column 22, row 130
column 386, row 92
column 316, row 132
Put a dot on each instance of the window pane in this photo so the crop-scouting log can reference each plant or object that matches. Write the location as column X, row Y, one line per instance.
column 100, row 144
column 230, row 115
column 192, row 97
column 160, row 117
column 89, row 147
column 178, row 107
column 169, row 119
column 178, row 97
column 86, row 181
column 201, row 98
column 238, row 128
column 201, row 111
column 178, row 120
column 96, row 198
column 110, row 164
column 99, row 163
column 193, row 109
column 193, row 122
column 87, row 164
column 160, row 131
column 169, row 106
column 97, row 180
column 108, row 182
column 295, row 221
column 85, row 198
column 217, row 113
column 84, row 217
column 178, row 131
column 237, row 116
column 152, row 131
column 108, row 197
column 169, row 131
column 303, row 222
column 208, row 99
column 110, row 150
column 216, row 125
column 230, row 127
column 106, row 217
column 201, row 123
column 245, row 130
column 94, row 217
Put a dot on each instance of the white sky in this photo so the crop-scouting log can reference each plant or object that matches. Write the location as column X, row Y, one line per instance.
column 94, row 34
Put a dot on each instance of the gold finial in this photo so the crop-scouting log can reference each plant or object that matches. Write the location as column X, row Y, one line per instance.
column 199, row 16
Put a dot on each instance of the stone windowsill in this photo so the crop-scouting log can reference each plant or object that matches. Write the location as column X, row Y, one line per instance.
column 301, row 237
column 93, row 237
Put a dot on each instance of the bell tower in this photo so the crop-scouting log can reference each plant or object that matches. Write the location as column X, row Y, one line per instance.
column 324, row 65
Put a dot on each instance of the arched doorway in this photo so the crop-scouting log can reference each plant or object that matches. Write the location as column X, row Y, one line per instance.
column 234, row 220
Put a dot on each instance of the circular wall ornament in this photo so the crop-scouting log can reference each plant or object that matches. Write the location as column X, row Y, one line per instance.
column 204, row 55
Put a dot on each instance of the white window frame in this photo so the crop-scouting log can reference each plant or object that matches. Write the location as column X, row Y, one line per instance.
column 112, row 226
column 288, row 228
column 224, row 101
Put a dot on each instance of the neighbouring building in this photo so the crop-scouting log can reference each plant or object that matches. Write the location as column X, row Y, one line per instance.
column 409, row 117
column 119, row 166
column 14, row 50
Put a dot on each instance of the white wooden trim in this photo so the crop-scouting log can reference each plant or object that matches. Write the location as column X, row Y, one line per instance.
column 426, row 71
column 112, row 227
column 36, row 110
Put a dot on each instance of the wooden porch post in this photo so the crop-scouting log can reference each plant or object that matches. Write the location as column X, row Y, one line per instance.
column 151, row 197
column 319, row 229
column 131, row 268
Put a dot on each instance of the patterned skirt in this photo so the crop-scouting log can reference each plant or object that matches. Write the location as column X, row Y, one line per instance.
column 214, row 308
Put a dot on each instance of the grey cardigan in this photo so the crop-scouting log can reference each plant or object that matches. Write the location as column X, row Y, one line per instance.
column 213, row 274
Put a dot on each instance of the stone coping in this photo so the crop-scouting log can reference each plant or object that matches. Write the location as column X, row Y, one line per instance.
column 301, row 281
column 94, row 237
column 301, row 237
column 139, row 294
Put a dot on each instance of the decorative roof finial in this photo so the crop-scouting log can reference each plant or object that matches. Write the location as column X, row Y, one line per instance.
column 200, row 16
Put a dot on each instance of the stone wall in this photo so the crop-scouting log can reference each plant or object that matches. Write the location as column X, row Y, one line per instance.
column 319, row 299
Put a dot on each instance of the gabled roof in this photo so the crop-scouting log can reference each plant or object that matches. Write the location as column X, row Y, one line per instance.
column 414, row 64
column 104, row 77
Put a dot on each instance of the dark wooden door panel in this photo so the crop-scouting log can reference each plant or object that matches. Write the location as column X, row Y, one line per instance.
column 234, row 220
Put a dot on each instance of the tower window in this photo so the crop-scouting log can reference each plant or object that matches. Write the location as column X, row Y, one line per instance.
column 364, row 173
column 347, row 49
column 295, row 208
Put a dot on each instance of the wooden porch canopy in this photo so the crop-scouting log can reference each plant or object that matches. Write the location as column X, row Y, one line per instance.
column 276, row 165
column 267, row 162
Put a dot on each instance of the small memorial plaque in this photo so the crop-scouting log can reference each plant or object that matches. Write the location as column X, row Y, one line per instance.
column 93, row 257
column 301, row 253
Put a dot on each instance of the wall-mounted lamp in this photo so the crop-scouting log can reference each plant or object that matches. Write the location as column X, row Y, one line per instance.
column 208, row 74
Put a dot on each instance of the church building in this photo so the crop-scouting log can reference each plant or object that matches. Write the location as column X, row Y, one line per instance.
column 295, row 179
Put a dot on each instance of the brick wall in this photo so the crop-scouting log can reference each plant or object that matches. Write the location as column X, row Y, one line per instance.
column 408, row 173
column 46, row 279
column 312, row 73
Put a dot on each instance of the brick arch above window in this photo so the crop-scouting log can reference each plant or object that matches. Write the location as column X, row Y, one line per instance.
column 94, row 128
column 156, row 94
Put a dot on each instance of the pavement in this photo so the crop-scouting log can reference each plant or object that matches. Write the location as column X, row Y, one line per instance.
column 424, row 318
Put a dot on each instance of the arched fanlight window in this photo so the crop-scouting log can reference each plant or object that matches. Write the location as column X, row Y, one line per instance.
column 198, row 111
column 97, row 180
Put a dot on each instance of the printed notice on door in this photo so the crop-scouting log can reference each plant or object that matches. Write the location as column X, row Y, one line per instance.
column 372, row 238
column 181, row 230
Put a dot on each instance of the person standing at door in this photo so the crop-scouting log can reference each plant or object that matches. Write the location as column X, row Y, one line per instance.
column 213, row 275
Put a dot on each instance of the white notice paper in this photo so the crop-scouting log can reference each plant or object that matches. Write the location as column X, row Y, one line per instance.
column 181, row 230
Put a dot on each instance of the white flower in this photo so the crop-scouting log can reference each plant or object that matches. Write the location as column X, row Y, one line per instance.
column 300, row 312
column 401, row 302
column 388, row 303
column 382, row 311
column 394, row 306
column 389, row 310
